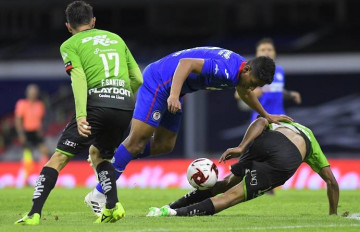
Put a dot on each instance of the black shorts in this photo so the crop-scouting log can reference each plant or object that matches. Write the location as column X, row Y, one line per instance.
column 108, row 127
column 33, row 139
column 268, row 163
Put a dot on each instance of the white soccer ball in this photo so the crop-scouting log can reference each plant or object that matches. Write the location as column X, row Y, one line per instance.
column 202, row 174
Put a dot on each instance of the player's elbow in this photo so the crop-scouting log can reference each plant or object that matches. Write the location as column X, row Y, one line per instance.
column 185, row 63
column 262, row 122
column 192, row 65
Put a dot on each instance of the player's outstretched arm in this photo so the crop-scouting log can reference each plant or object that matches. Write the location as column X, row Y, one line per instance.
column 184, row 68
column 332, row 189
column 252, row 101
column 253, row 131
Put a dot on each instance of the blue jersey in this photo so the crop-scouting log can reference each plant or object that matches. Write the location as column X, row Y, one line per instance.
column 221, row 70
column 272, row 97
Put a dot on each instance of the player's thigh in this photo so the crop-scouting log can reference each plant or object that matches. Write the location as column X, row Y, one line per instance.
column 172, row 122
column 71, row 143
column 260, row 178
column 114, row 124
column 151, row 105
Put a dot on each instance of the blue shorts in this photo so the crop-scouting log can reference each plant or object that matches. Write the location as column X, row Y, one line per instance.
column 151, row 104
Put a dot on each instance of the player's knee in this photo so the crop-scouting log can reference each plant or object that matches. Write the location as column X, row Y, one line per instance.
column 331, row 182
column 164, row 145
column 136, row 147
column 167, row 147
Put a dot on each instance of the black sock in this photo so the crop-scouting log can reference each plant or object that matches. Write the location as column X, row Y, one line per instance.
column 44, row 184
column 106, row 175
column 191, row 198
column 206, row 207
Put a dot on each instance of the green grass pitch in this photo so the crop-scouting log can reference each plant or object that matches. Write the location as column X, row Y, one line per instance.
column 288, row 210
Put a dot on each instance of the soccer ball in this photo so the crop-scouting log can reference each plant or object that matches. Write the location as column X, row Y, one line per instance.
column 202, row 174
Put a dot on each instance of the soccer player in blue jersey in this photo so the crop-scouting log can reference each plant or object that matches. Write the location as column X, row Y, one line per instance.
column 272, row 96
column 158, row 109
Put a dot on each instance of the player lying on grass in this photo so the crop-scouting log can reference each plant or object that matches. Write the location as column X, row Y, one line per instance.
column 157, row 115
column 269, row 156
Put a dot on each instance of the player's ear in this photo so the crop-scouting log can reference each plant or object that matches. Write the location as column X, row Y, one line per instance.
column 247, row 69
column 68, row 26
column 93, row 20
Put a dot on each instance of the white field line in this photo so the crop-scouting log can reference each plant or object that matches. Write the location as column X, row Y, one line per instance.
column 243, row 228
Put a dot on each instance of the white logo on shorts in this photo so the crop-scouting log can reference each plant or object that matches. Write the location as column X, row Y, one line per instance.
column 156, row 115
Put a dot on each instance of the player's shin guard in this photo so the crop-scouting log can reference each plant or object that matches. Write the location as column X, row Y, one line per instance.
column 206, row 207
column 191, row 198
column 44, row 184
column 106, row 175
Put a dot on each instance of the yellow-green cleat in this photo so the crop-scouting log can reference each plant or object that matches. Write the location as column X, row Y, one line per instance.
column 111, row 215
column 29, row 220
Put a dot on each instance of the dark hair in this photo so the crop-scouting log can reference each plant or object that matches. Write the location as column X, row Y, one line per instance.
column 263, row 68
column 79, row 13
column 265, row 41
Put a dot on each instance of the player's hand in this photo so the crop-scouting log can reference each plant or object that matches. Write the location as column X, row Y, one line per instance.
column 174, row 104
column 274, row 118
column 83, row 127
column 296, row 97
column 231, row 153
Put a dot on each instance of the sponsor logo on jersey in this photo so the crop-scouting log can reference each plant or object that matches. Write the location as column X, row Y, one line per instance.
column 225, row 53
column 99, row 40
column 253, row 180
column 98, row 50
column 156, row 115
column 70, row 143
column 110, row 90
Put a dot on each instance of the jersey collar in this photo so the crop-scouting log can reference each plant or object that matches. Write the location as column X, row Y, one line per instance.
column 240, row 69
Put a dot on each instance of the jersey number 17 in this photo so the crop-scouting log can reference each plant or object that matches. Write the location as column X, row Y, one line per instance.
column 107, row 57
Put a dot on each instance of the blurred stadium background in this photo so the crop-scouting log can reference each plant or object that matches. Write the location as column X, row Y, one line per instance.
column 317, row 42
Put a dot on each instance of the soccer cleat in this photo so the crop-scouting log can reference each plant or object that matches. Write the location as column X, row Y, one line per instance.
column 96, row 201
column 111, row 215
column 29, row 220
column 164, row 211
column 153, row 212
